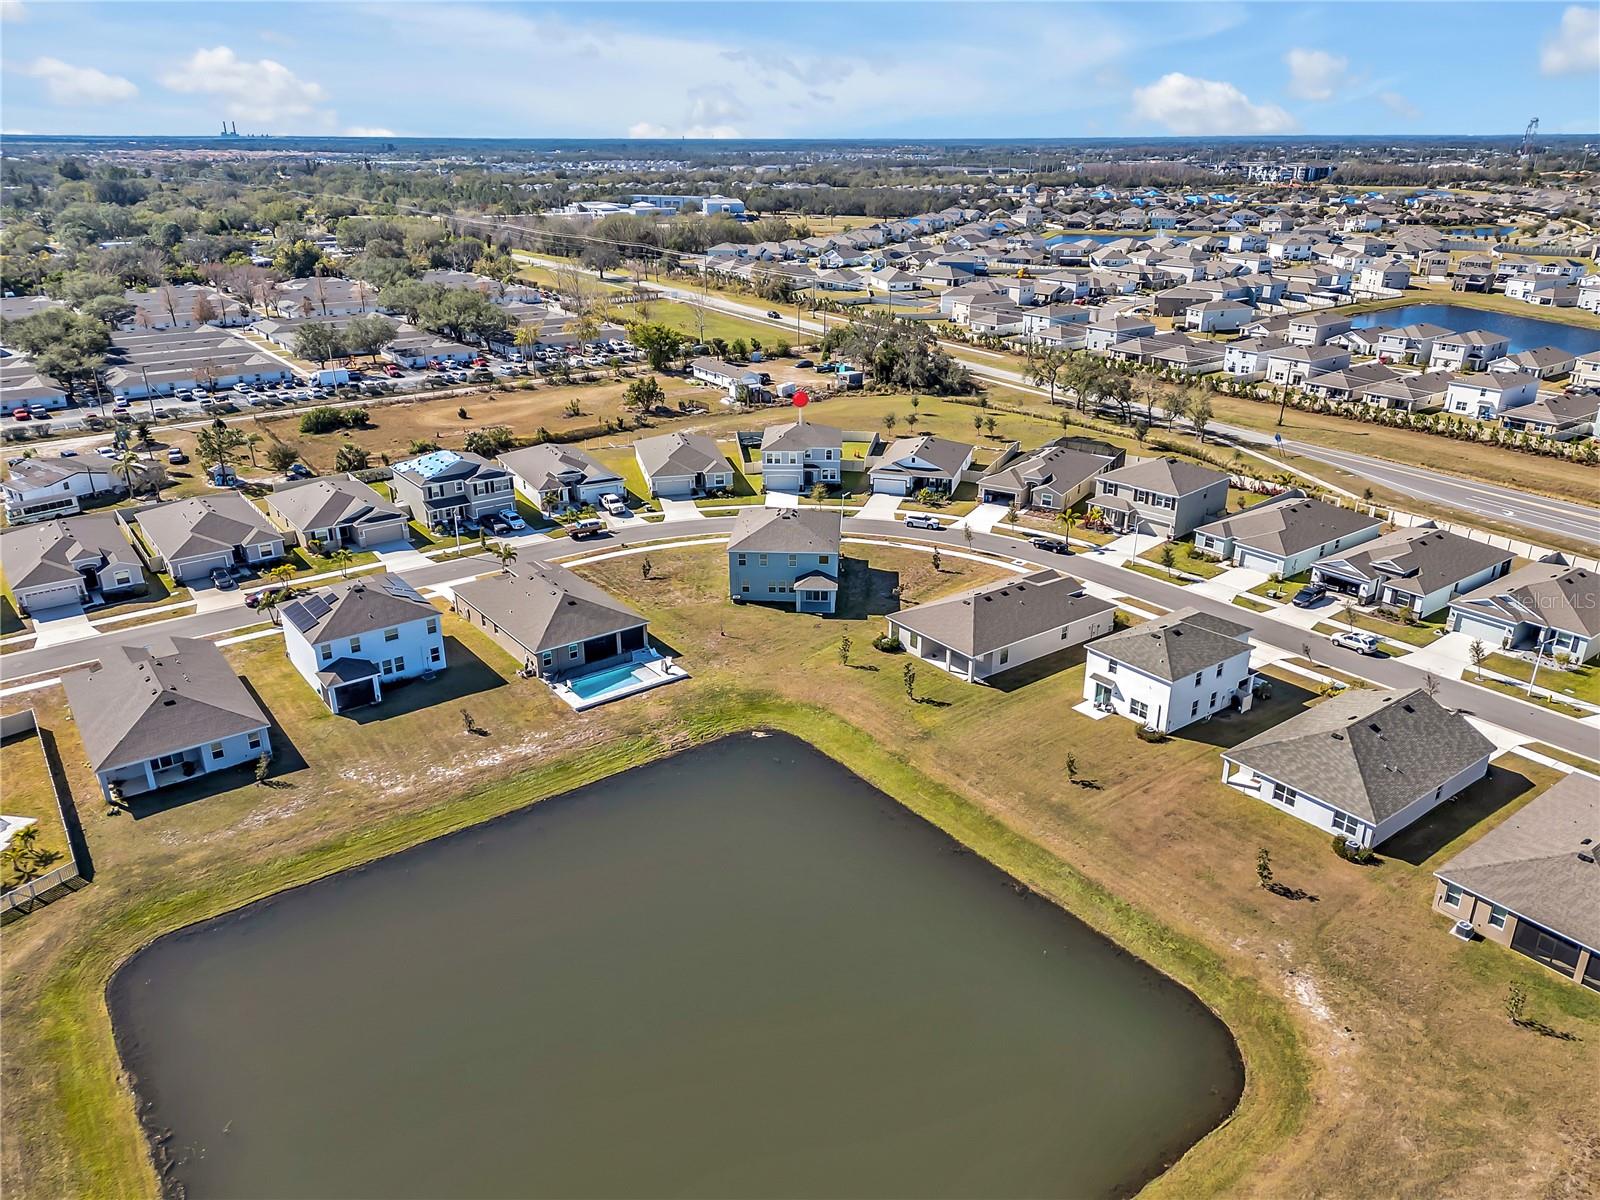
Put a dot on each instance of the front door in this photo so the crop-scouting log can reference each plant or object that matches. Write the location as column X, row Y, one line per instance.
column 1102, row 695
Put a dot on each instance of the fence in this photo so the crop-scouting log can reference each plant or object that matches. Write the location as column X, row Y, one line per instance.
column 1517, row 546
column 21, row 900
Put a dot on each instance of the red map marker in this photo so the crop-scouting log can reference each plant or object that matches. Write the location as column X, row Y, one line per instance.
column 801, row 399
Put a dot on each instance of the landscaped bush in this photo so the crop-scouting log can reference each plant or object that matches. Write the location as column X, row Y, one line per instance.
column 1154, row 736
column 1359, row 855
column 324, row 419
column 887, row 642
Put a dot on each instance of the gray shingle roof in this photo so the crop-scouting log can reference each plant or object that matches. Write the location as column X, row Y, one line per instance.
column 1423, row 560
column 324, row 503
column 1553, row 595
column 946, row 456
column 205, row 524
column 679, row 454
column 1178, row 644
column 1370, row 754
column 800, row 435
column 1530, row 863
column 36, row 555
column 1289, row 523
column 543, row 466
column 1169, row 476
column 1002, row 613
column 173, row 695
column 785, row 530
column 352, row 609
column 1056, row 467
column 546, row 606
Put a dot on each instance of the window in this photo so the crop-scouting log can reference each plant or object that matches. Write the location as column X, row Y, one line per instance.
column 1198, row 676
column 761, row 559
column 822, row 560
column 744, row 589
column 1497, row 917
column 255, row 741
column 1213, row 699
column 388, row 666
column 355, row 645
column 1194, row 709
column 433, row 624
column 325, row 652
column 794, row 560
column 1219, row 670
column 1111, row 666
column 1283, row 794
column 740, row 560
column 1346, row 824
column 399, row 665
column 434, row 655
column 1005, row 656
column 1065, row 630
column 1452, row 895
column 391, row 635
column 216, row 749
column 1138, row 708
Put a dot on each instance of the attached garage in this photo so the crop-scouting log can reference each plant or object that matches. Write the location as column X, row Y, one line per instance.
column 891, row 484
column 200, row 566
column 1490, row 633
column 1255, row 560
column 49, row 596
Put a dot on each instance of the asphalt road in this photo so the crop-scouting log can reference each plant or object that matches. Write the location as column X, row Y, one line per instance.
column 1524, row 719
column 1537, row 514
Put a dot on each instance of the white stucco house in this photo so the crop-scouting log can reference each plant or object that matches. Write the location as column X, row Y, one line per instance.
column 1167, row 673
column 349, row 640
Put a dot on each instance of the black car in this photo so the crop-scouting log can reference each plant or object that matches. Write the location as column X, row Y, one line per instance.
column 496, row 524
column 773, row 313
column 803, row 363
column 1309, row 595
column 1054, row 545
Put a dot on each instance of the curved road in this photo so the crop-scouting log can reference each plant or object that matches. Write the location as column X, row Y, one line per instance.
column 1524, row 719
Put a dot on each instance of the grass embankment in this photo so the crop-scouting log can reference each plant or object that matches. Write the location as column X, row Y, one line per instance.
column 1350, row 1008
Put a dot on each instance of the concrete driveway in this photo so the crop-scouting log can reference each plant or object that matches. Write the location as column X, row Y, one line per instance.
column 1230, row 583
column 782, row 500
column 63, row 623
column 681, row 510
column 982, row 519
column 1449, row 655
column 880, row 507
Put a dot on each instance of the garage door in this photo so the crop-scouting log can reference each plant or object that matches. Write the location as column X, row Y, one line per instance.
column 890, row 485
column 1487, row 632
column 36, row 599
column 1257, row 561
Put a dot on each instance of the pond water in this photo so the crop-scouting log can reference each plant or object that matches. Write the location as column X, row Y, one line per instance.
column 741, row 972
column 1526, row 333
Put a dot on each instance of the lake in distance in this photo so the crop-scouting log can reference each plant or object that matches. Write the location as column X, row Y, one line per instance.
column 741, row 971
column 1525, row 333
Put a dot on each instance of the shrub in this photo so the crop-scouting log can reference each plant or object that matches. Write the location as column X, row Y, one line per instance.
column 1154, row 736
column 324, row 419
column 1355, row 854
column 887, row 642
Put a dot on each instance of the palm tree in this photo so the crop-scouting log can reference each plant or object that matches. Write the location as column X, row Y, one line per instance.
column 525, row 338
column 127, row 464
column 251, row 441
column 342, row 559
column 269, row 604
column 506, row 554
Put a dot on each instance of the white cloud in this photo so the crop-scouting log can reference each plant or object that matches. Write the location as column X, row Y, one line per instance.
column 1574, row 48
column 263, row 91
column 67, row 84
column 368, row 131
column 12, row 10
column 1399, row 105
column 1190, row 106
column 1315, row 74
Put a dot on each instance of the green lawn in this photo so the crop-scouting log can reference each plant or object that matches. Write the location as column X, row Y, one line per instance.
column 1423, row 634
column 1252, row 605
column 1520, row 692
column 1186, row 558
column 1566, row 756
column 1284, row 589
column 29, row 794
column 1581, row 683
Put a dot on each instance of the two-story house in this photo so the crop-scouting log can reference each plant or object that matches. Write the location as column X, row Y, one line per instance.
column 1472, row 350
column 348, row 640
column 1362, row 764
column 1484, row 395
column 446, row 488
column 800, row 454
column 785, row 556
column 1169, row 672
column 556, row 478
column 1410, row 343
column 1162, row 495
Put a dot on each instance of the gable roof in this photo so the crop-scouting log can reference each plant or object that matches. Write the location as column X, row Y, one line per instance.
column 1178, row 644
column 324, row 503
column 1367, row 753
column 205, row 525
column 145, row 701
column 1533, row 862
column 1427, row 559
column 1552, row 595
column 543, row 606
column 800, row 435
column 42, row 554
column 1289, row 523
column 352, row 609
column 1055, row 467
column 542, row 466
column 1169, row 476
column 947, row 456
column 785, row 530
column 1002, row 613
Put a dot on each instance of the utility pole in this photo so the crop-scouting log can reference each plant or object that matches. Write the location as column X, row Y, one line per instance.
column 148, row 397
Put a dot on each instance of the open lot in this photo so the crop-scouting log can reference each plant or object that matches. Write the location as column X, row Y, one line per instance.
column 1379, row 1060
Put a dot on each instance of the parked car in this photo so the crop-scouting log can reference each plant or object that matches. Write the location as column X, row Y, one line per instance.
column 803, row 363
column 1054, row 545
column 298, row 471
column 106, row 451
column 923, row 521
column 21, row 414
column 588, row 527
column 39, row 411
column 1309, row 595
column 223, row 580
column 1354, row 639
column 496, row 524
column 176, row 455
column 514, row 519
column 614, row 504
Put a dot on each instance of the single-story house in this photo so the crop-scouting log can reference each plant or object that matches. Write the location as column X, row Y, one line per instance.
column 1174, row 670
column 1532, row 884
column 153, row 716
column 1055, row 476
column 679, row 466
column 68, row 561
column 555, row 623
column 997, row 626
column 1419, row 570
column 1285, row 535
column 910, row 464
column 556, row 478
column 195, row 537
column 336, row 512
column 37, row 489
column 1563, row 416
column 350, row 639
column 1363, row 764
column 1547, row 606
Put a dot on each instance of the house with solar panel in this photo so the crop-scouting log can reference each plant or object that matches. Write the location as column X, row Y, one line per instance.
column 445, row 489
column 349, row 640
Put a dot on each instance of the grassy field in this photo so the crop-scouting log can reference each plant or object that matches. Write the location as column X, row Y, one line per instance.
column 1185, row 558
column 1581, row 682
column 687, row 318
column 1520, row 691
column 1378, row 1059
column 29, row 794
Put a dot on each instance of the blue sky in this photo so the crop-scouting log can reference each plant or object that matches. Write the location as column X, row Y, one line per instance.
column 810, row 69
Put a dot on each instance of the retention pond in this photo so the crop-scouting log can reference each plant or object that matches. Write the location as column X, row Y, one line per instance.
column 739, row 972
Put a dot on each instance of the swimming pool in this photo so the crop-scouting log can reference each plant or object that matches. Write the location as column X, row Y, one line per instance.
column 599, row 683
